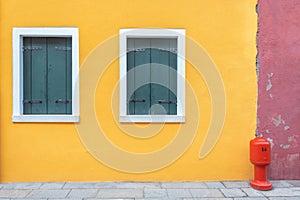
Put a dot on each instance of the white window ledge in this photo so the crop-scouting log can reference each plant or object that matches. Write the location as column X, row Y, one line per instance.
column 45, row 118
column 152, row 119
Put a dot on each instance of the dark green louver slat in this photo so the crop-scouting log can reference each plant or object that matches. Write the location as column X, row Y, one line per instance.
column 173, row 77
column 130, row 76
column 69, row 75
column 159, row 76
column 57, row 87
column 27, row 75
column 142, row 76
column 38, row 76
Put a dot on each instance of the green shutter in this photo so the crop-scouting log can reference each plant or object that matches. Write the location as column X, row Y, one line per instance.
column 173, row 77
column 69, row 75
column 130, row 77
column 57, row 76
column 38, row 77
column 47, row 69
column 159, row 60
column 139, row 79
column 27, row 75
column 160, row 76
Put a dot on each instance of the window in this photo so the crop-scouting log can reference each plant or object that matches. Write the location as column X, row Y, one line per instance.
column 45, row 75
column 152, row 75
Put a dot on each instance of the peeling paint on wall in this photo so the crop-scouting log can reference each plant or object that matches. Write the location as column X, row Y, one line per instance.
column 271, row 142
column 269, row 85
column 278, row 120
column 285, row 146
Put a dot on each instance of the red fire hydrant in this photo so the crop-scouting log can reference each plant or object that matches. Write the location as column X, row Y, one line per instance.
column 260, row 156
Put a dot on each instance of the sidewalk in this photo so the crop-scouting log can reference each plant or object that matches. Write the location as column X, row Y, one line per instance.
column 235, row 190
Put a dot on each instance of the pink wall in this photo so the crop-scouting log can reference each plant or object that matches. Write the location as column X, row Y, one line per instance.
column 279, row 84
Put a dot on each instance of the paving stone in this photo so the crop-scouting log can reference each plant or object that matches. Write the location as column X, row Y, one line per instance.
column 165, row 198
column 178, row 193
column 120, row 193
column 80, row 185
column 236, row 184
column 252, row 192
column 281, row 183
column 83, row 193
column 125, row 185
column 208, row 198
column 31, row 199
column 295, row 183
column 233, row 192
column 7, row 193
column 152, row 199
column 206, row 193
column 284, row 198
column 214, row 184
column 54, row 185
column 63, row 199
column 22, row 186
column 60, row 199
column 108, row 199
column 43, row 193
column 183, row 185
column 251, row 198
column 282, row 192
column 155, row 193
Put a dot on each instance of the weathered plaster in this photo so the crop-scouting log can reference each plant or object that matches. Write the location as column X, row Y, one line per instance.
column 279, row 84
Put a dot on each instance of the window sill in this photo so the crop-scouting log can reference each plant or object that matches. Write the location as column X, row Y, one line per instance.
column 45, row 118
column 152, row 119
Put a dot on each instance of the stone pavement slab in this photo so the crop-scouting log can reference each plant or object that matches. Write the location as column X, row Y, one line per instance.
column 120, row 193
column 217, row 190
column 79, row 185
column 284, row 198
column 295, row 183
column 31, row 199
column 205, row 198
column 214, row 184
column 252, row 192
column 235, row 184
column 55, row 185
column 128, row 185
column 43, row 193
column 6, row 193
column 83, row 193
column 206, row 193
column 251, row 198
column 277, row 184
column 155, row 193
column 282, row 192
column 183, row 185
column 22, row 186
column 178, row 193
column 233, row 192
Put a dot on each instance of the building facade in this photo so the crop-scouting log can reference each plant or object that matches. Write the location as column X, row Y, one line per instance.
column 129, row 90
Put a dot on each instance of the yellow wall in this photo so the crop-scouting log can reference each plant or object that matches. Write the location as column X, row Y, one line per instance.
column 54, row 151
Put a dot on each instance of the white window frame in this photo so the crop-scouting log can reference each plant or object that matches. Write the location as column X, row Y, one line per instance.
column 17, row 42
column 179, row 34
